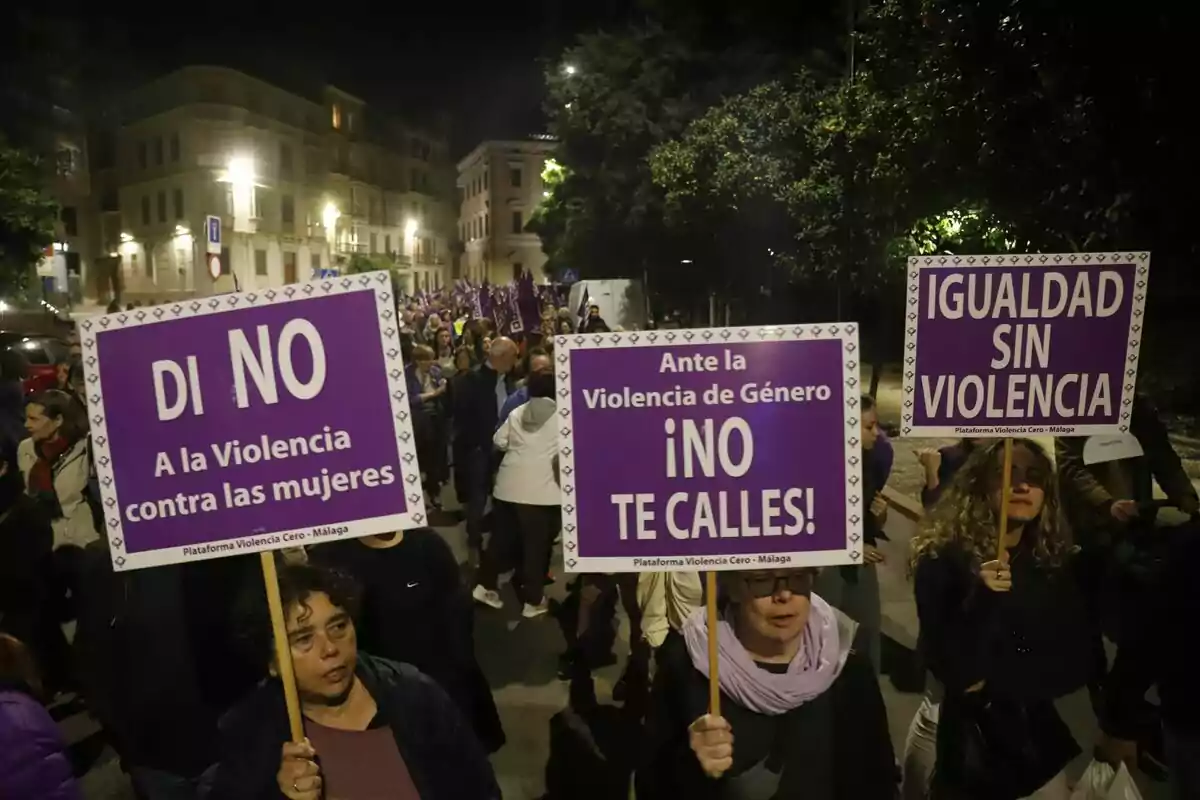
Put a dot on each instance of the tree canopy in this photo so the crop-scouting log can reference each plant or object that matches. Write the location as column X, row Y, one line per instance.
column 27, row 216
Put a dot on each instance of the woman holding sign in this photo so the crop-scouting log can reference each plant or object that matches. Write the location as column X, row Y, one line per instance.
column 1004, row 637
column 801, row 711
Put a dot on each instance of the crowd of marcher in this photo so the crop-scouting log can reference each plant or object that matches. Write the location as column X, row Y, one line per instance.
column 177, row 663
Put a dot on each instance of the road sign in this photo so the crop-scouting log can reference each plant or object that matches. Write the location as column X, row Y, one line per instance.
column 713, row 482
column 220, row 428
column 214, row 267
column 212, row 234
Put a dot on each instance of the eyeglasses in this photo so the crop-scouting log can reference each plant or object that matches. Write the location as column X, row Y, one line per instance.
column 766, row 584
column 302, row 641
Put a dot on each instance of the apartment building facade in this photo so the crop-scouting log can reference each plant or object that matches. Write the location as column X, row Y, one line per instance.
column 500, row 185
column 302, row 185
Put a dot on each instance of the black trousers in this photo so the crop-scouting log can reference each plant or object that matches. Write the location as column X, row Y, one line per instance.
column 478, row 474
column 539, row 525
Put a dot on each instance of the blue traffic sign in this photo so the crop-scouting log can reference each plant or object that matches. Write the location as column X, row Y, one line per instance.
column 212, row 233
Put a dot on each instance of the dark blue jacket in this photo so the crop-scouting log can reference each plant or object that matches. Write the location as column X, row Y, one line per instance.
column 33, row 756
column 443, row 756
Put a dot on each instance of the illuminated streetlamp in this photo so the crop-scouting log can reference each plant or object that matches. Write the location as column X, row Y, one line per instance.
column 410, row 228
column 570, row 69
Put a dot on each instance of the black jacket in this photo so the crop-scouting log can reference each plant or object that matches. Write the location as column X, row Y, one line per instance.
column 140, row 668
column 442, row 755
column 836, row 747
column 475, row 409
column 1029, row 647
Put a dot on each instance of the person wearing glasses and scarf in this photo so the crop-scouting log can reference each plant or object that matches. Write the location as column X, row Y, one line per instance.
column 801, row 710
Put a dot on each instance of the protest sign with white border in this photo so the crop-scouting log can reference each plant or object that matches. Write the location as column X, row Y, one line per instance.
column 710, row 449
column 249, row 422
column 1022, row 345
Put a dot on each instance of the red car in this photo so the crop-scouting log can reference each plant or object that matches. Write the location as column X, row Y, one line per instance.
column 42, row 352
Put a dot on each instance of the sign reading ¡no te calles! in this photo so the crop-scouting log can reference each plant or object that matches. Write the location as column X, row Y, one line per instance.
column 251, row 421
column 1015, row 345
column 721, row 449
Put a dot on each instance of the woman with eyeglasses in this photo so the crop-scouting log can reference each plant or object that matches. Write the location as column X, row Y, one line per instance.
column 801, row 711
column 1004, row 636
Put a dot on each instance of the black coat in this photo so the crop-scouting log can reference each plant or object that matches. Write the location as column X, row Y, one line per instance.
column 443, row 757
column 417, row 611
column 1028, row 646
column 139, row 668
column 836, row 747
column 476, row 412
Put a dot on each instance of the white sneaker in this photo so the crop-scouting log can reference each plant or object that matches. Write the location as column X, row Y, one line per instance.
column 487, row 597
column 532, row 612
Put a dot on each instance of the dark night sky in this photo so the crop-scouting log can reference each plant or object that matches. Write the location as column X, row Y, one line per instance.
column 479, row 63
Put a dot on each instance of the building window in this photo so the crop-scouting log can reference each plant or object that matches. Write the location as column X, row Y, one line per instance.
column 70, row 221
column 289, row 267
column 67, row 160
column 158, row 151
column 177, row 201
column 146, row 210
column 518, row 270
column 162, row 206
column 141, row 155
column 387, row 243
column 514, row 177
column 349, row 121
column 316, row 264
column 487, row 225
column 287, row 209
column 416, row 180
column 260, row 263
column 174, row 147
column 517, row 227
column 374, row 243
column 337, row 117
column 285, row 160
column 485, row 180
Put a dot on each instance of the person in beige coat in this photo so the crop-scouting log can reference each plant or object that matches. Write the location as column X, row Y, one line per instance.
column 56, row 464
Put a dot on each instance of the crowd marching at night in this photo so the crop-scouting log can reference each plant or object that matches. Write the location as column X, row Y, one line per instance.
column 1087, row 590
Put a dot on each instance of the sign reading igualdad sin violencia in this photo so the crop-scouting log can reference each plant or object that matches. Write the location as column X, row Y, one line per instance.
column 251, row 421
column 1020, row 345
column 718, row 449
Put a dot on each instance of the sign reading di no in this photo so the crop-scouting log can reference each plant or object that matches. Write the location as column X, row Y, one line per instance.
column 219, row 427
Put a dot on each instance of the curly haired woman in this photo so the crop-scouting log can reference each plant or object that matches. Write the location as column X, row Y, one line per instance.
column 1003, row 636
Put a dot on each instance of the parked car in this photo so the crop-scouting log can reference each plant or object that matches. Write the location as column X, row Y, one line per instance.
column 42, row 352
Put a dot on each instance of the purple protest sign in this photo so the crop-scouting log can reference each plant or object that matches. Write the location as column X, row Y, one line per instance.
column 1022, row 345
column 721, row 449
column 251, row 421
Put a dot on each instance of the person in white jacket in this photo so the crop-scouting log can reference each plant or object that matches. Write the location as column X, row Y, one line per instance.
column 56, row 464
column 528, row 479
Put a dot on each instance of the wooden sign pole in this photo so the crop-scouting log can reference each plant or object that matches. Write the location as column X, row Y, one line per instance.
column 714, row 684
column 1005, row 493
column 283, row 651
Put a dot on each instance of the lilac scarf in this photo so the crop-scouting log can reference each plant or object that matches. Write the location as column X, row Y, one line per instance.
column 824, row 648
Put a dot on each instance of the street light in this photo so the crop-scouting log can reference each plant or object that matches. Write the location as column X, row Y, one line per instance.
column 410, row 228
column 570, row 69
column 240, row 172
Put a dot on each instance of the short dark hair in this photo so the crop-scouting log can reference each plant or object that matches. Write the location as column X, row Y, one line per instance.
column 297, row 583
column 868, row 403
column 541, row 384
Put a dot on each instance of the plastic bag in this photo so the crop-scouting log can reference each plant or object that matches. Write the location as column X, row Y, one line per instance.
column 1101, row 782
